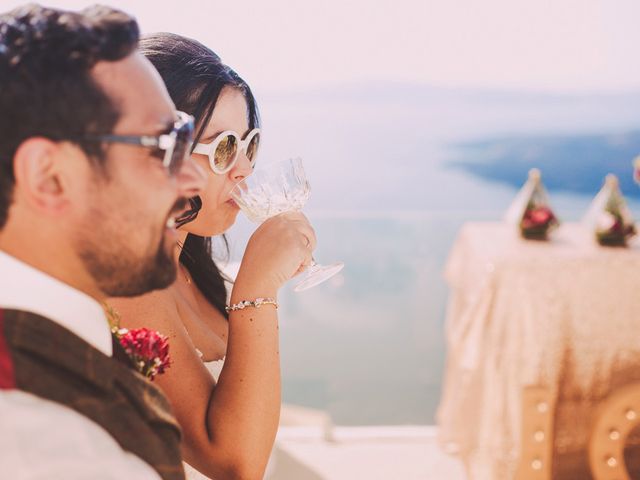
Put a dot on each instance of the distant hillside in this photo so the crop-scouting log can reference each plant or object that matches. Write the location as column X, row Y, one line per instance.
column 572, row 163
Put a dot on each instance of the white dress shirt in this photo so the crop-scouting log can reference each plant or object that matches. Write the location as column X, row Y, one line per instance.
column 41, row 439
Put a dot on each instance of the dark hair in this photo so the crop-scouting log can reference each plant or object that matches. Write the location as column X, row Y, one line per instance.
column 46, row 87
column 194, row 76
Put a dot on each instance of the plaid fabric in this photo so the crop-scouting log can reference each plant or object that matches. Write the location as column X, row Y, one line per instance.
column 40, row 357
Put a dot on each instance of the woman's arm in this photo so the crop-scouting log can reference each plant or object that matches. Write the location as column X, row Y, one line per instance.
column 229, row 428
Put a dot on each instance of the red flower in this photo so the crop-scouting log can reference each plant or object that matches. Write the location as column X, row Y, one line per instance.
column 148, row 349
column 537, row 217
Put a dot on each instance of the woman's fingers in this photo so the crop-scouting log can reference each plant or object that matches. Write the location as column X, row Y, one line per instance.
column 303, row 226
column 280, row 248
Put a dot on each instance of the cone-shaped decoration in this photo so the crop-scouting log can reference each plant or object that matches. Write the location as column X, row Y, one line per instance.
column 609, row 217
column 531, row 210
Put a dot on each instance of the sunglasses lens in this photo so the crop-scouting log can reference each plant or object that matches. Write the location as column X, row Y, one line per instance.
column 252, row 148
column 182, row 147
column 226, row 152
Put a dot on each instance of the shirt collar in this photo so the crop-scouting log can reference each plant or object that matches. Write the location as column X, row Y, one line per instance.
column 25, row 288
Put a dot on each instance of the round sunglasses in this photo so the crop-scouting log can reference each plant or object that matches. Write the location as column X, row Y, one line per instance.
column 224, row 150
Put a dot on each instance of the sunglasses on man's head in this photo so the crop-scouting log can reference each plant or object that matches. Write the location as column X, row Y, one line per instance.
column 224, row 150
column 176, row 144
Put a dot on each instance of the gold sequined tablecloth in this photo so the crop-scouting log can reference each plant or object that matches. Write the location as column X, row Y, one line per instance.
column 563, row 314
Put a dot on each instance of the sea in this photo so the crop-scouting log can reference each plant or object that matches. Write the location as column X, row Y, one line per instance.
column 396, row 170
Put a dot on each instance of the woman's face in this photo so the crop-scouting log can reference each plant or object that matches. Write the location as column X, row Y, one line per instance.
column 218, row 211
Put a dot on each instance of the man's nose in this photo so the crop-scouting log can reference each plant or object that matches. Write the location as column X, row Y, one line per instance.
column 190, row 179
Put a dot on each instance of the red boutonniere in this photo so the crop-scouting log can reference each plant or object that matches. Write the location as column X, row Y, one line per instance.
column 148, row 349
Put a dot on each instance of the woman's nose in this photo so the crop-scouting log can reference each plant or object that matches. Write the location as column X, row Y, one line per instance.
column 242, row 168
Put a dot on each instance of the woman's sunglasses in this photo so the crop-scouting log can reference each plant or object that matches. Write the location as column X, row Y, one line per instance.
column 176, row 144
column 223, row 152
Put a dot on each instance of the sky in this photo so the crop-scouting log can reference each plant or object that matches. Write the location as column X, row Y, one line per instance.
column 542, row 45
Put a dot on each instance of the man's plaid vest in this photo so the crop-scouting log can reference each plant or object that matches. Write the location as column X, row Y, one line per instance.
column 42, row 358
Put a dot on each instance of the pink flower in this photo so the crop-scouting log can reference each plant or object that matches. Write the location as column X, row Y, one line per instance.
column 148, row 349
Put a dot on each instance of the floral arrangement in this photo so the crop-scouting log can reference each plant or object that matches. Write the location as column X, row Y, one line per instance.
column 612, row 231
column 537, row 222
column 530, row 212
column 614, row 225
column 148, row 349
column 537, row 219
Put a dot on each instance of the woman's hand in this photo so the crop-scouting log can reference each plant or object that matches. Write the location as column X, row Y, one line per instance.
column 280, row 248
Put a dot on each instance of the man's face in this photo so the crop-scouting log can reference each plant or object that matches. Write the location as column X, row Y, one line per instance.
column 121, row 234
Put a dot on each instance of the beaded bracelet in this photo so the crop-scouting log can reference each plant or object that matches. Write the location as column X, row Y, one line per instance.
column 257, row 303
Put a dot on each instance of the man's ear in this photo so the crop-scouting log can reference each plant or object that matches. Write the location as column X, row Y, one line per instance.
column 39, row 180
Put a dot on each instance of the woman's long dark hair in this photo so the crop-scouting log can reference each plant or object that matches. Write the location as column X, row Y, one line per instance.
column 195, row 76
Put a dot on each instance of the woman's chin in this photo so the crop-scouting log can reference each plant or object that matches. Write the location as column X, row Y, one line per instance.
column 232, row 219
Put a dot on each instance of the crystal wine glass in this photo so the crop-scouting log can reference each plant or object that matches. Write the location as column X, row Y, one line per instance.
column 283, row 187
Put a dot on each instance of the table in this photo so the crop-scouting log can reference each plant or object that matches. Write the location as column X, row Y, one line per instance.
column 563, row 314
